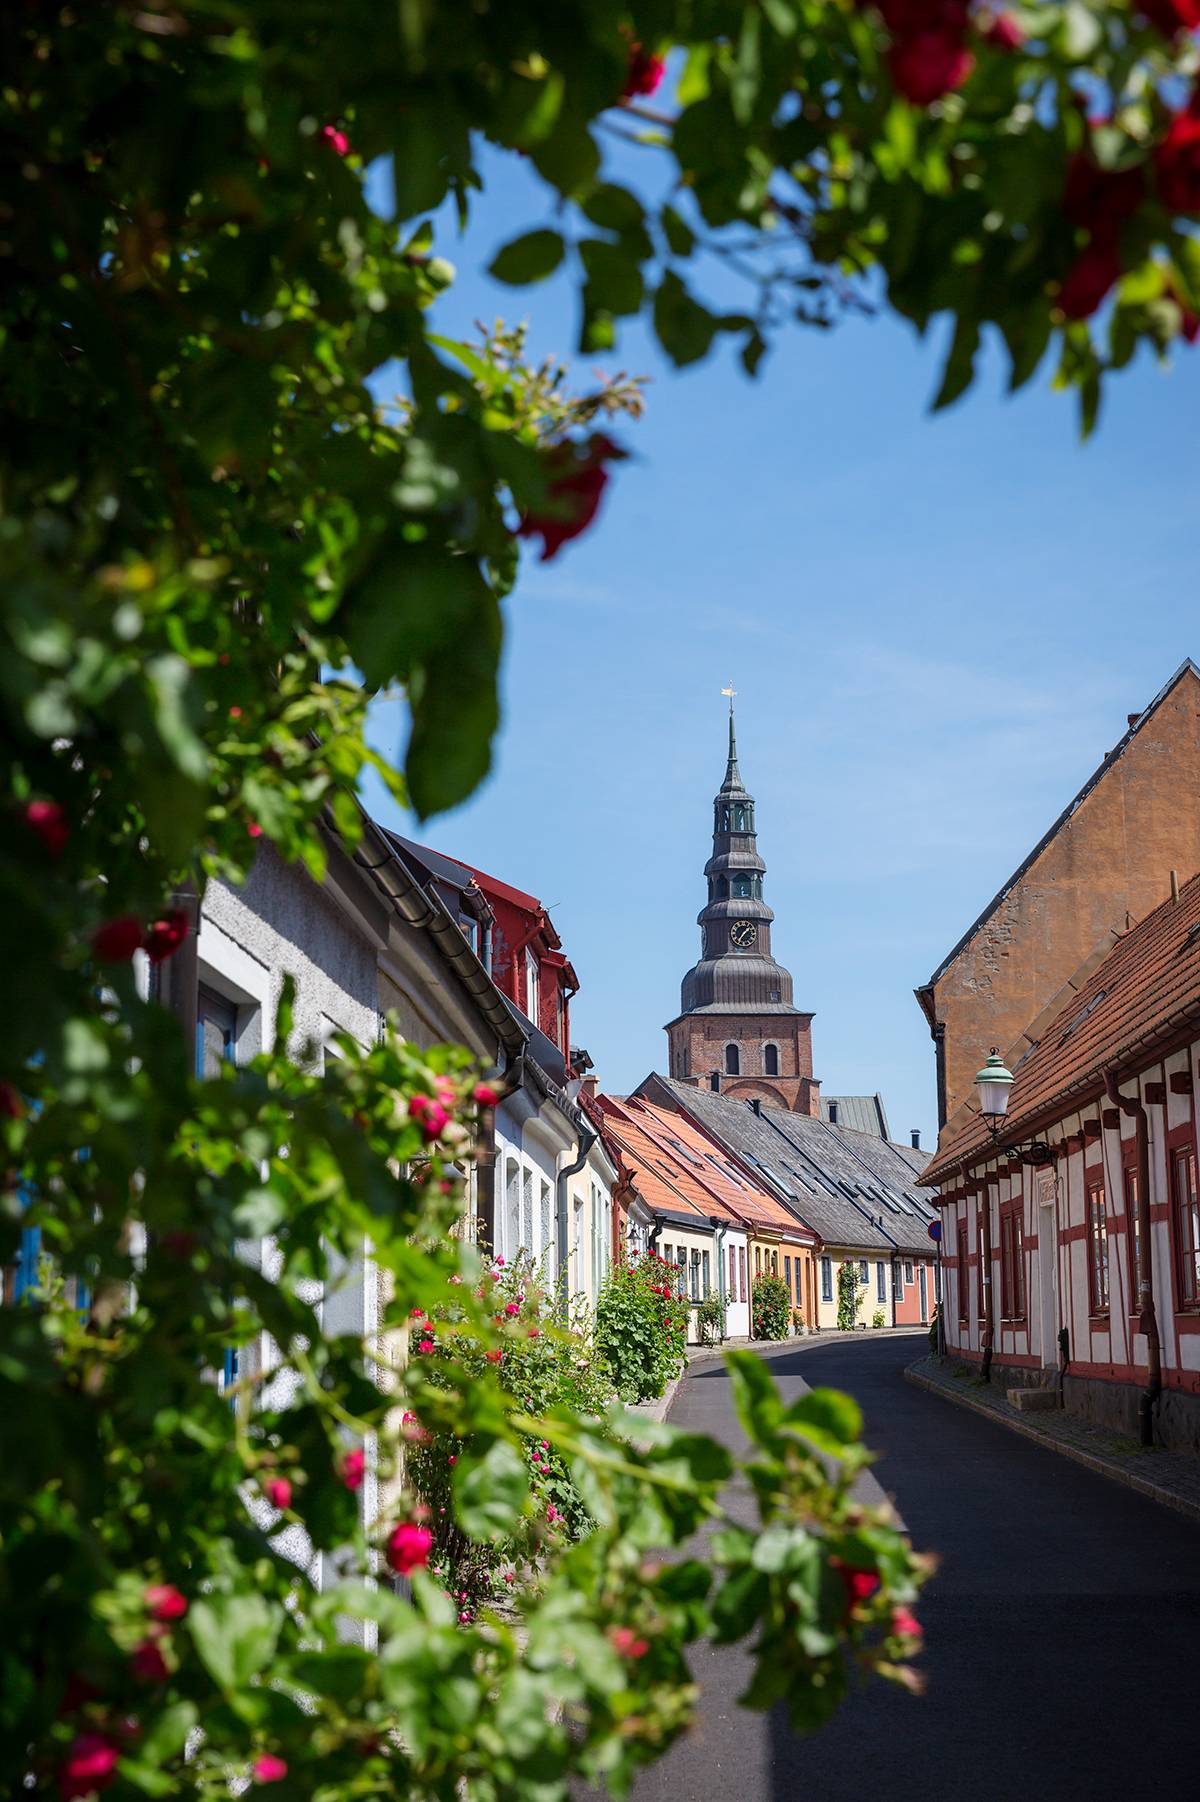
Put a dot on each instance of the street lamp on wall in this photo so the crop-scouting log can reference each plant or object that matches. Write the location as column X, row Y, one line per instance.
column 993, row 1085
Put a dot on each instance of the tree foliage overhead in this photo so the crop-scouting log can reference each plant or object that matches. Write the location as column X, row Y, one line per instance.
column 203, row 511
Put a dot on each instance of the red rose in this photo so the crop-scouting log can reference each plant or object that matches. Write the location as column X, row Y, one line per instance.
column 164, row 937
column 628, row 1643
column 165, row 1602
column 253, row 828
column 337, row 140
column 1004, row 33
column 115, row 941
column 267, row 1768
column 1100, row 198
column 278, row 1491
column 859, row 1584
column 1094, row 271
column 576, row 481
column 147, row 1662
column 408, row 1547
column 1177, row 164
column 644, row 74
column 48, row 820
column 425, row 1346
column 90, row 1764
column 928, row 65
column 494, row 1356
column 1171, row 16
column 353, row 1465
column 484, row 1095
column 905, row 1622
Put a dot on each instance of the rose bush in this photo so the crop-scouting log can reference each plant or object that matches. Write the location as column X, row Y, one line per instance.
column 641, row 1325
column 769, row 1307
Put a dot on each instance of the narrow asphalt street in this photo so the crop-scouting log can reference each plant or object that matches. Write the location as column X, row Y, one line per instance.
column 1062, row 1629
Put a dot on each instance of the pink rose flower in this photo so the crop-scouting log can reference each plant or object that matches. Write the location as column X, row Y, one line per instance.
column 278, row 1491
column 147, row 1662
column 48, row 820
column 165, row 1602
column 353, row 1465
column 267, row 1768
column 408, row 1547
column 115, row 941
column 485, row 1095
column 90, row 1764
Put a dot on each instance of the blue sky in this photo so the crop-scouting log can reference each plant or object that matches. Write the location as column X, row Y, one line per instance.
column 936, row 626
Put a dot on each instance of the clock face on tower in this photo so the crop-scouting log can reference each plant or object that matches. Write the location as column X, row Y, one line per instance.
column 743, row 934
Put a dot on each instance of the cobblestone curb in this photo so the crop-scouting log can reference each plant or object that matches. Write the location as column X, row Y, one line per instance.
column 1175, row 1483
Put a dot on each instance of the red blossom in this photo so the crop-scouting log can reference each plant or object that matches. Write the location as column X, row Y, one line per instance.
column 425, row 1346
column 48, row 820
column 1004, row 33
column 278, row 1491
column 147, row 1662
column 336, row 139
column 576, row 479
column 929, row 64
column 165, row 1602
column 1094, row 271
column 430, row 1116
column 253, row 828
column 644, row 73
column 115, row 941
column 90, row 1764
column 494, row 1356
column 11, row 1105
column 1171, row 16
column 859, row 1584
column 484, row 1095
column 1177, row 164
column 905, row 1622
column 408, row 1547
column 164, row 937
column 628, row 1643
column 1100, row 199
column 353, row 1466
column 267, row 1768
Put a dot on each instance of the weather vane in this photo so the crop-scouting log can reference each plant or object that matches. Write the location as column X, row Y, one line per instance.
column 730, row 691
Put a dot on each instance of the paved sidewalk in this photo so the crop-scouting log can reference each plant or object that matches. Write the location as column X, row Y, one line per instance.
column 1172, row 1478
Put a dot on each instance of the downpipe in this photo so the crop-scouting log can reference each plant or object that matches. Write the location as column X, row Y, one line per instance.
column 1147, row 1313
column 561, row 1225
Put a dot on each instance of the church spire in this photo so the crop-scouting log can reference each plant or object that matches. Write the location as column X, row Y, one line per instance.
column 733, row 778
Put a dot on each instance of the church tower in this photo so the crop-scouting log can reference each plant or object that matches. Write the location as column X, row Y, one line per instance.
column 737, row 1030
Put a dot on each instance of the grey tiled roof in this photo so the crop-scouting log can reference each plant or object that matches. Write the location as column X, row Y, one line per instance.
column 853, row 1188
column 863, row 1113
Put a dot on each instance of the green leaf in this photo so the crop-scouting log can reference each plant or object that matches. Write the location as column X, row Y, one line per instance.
column 530, row 258
column 738, row 1604
column 960, row 364
column 613, row 209
column 235, row 1636
column 490, row 1492
column 679, row 235
column 743, row 89
column 342, row 1673
column 755, row 1396
column 685, row 329
column 167, row 1734
column 614, row 278
column 170, row 689
column 837, row 1417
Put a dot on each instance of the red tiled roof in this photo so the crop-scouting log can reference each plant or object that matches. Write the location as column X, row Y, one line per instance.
column 676, row 1166
column 1147, row 986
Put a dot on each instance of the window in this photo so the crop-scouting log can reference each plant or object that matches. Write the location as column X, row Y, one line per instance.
column 771, row 1060
column 742, row 1269
column 733, row 1292
column 470, row 931
column 898, row 1278
column 962, row 1272
column 787, row 1274
column 512, row 1206
column 527, row 1209
column 668, row 1254
column 681, row 1269
column 826, row 1279
column 1097, row 1239
column 908, row 1270
column 732, row 1061
column 558, row 1019
column 531, row 986
column 216, row 1044
column 705, row 1277
column 695, row 1291
column 1012, row 1264
column 758, row 1260
column 739, row 818
column 544, row 1223
column 881, row 1282
column 1133, row 1237
column 1187, row 1224
column 774, row 1263
column 862, row 1270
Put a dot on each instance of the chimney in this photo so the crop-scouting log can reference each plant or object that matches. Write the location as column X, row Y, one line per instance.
column 1131, row 719
column 714, row 1081
column 833, row 1113
column 916, row 1138
column 756, row 1104
column 591, row 1085
column 1174, row 885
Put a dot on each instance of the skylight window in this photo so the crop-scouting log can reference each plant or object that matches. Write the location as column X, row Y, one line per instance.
column 1088, row 1008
